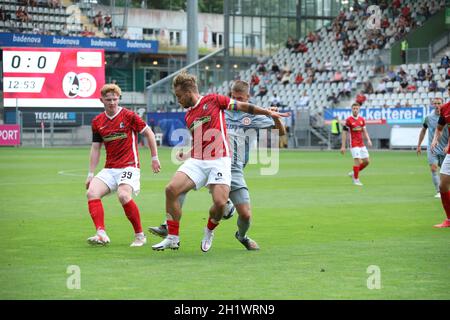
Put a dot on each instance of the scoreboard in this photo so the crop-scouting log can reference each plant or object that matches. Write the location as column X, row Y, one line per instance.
column 42, row 77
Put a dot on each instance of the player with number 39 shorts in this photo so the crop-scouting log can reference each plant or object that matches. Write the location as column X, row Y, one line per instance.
column 117, row 128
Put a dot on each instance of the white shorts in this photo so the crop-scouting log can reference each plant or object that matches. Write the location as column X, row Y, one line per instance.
column 206, row 172
column 115, row 177
column 445, row 167
column 359, row 152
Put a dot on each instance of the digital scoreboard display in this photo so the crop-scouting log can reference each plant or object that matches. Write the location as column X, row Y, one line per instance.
column 41, row 77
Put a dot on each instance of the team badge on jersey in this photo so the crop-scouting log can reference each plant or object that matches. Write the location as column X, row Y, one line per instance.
column 205, row 106
column 121, row 125
column 246, row 121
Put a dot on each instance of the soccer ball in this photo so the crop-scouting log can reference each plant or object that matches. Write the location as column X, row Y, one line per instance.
column 228, row 212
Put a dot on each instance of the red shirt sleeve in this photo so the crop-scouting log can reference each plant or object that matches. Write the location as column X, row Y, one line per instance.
column 223, row 101
column 137, row 124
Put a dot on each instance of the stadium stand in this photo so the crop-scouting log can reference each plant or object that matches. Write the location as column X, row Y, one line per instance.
column 324, row 58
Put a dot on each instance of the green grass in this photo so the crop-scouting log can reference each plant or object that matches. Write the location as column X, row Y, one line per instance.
column 317, row 232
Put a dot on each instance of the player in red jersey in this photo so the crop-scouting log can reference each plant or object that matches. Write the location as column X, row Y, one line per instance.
column 209, row 163
column 357, row 127
column 444, row 185
column 117, row 128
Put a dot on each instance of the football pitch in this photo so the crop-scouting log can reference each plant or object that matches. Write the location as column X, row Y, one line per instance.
column 320, row 236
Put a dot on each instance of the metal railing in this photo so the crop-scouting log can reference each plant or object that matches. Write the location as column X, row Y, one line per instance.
column 426, row 54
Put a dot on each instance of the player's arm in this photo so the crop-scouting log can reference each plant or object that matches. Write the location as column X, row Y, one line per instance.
column 278, row 124
column 94, row 158
column 253, row 109
column 437, row 133
column 366, row 135
column 421, row 137
column 344, row 139
column 148, row 133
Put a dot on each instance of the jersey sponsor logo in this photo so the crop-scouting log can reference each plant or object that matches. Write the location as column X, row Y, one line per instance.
column 199, row 122
column 115, row 136
column 357, row 129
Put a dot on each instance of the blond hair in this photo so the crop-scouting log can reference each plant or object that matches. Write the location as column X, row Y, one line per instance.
column 110, row 87
column 187, row 82
column 240, row 86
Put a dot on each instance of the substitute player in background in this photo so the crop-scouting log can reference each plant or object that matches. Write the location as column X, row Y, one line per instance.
column 237, row 123
column 117, row 128
column 434, row 159
column 357, row 127
column 444, row 186
column 209, row 163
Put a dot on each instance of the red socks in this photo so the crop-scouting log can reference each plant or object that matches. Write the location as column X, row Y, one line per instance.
column 445, row 198
column 362, row 166
column 173, row 227
column 132, row 213
column 97, row 213
column 356, row 172
column 211, row 225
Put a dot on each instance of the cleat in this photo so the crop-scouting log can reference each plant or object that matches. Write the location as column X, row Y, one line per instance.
column 438, row 195
column 160, row 231
column 445, row 224
column 248, row 243
column 356, row 182
column 170, row 242
column 101, row 238
column 207, row 240
column 139, row 240
column 229, row 210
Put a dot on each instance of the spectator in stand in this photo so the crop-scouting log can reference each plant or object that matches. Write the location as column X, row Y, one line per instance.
column 98, row 20
column 311, row 38
column 298, row 78
column 261, row 68
column 319, row 66
column 286, row 78
column 433, row 7
column 337, row 77
column 361, row 98
column 290, row 43
column 303, row 102
column 381, row 87
column 429, row 74
column 421, row 74
column 390, row 75
column 308, row 64
column 311, row 76
column 346, row 90
column 328, row 66
column 108, row 21
column 333, row 99
column 441, row 85
column 2, row 14
column 265, row 79
column 368, row 88
column 301, row 48
column 411, row 88
column 445, row 62
column 254, row 81
column 390, row 32
column 262, row 91
column 275, row 101
column 385, row 23
column 351, row 75
column 275, row 68
column 379, row 65
column 85, row 32
column 36, row 29
column 433, row 86
column 403, row 84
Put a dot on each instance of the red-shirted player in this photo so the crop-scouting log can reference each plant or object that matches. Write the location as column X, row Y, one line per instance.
column 209, row 163
column 357, row 127
column 444, row 186
column 117, row 128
